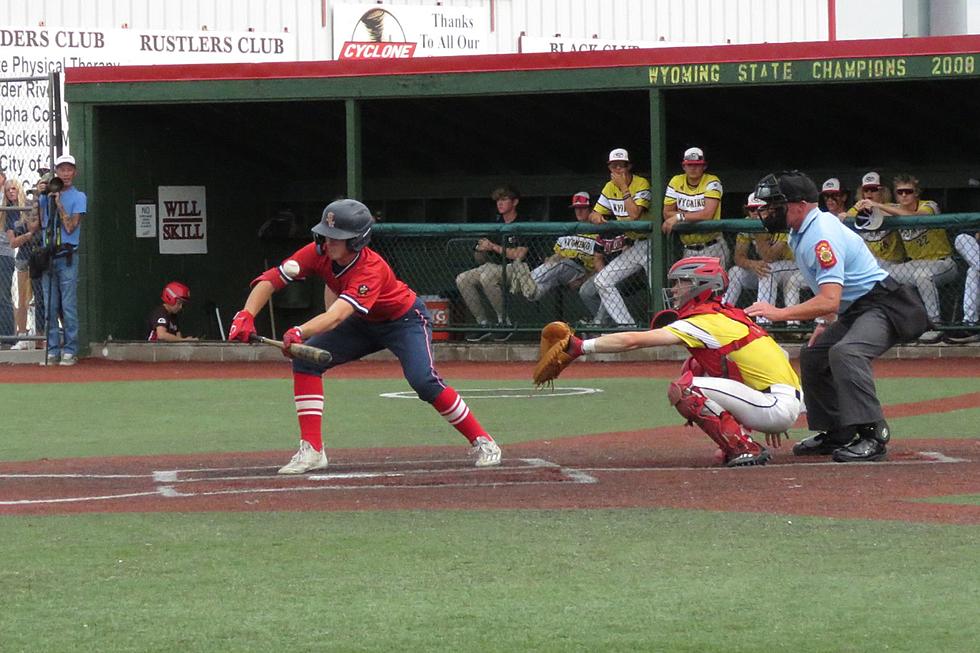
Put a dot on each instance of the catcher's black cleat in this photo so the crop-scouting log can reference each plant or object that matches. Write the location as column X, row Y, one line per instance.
column 825, row 443
column 749, row 459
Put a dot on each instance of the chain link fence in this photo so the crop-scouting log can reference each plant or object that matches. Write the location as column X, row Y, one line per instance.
column 473, row 296
column 30, row 130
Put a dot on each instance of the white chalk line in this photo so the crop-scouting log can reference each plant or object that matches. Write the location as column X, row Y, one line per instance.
column 165, row 478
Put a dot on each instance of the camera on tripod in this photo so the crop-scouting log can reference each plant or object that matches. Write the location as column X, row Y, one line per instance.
column 54, row 186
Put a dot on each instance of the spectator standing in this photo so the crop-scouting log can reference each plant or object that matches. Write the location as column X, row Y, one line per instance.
column 164, row 320
column 61, row 222
column 930, row 263
column 968, row 245
column 860, row 311
column 575, row 258
column 488, row 275
column 695, row 196
column 625, row 197
column 19, row 235
column 13, row 195
column 368, row 309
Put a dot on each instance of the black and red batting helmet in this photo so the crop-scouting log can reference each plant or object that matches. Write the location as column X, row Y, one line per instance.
column 175, row 292
column 346, row 220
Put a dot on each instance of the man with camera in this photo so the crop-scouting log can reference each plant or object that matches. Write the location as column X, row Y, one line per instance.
column 62, row 207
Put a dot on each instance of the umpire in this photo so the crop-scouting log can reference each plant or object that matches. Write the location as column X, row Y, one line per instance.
column 860, row 312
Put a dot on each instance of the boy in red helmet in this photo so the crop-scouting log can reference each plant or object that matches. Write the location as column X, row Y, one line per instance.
column 737, row 378
column 164, row 323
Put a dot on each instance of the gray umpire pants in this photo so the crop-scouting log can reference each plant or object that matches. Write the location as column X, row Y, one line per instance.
column 838, row 386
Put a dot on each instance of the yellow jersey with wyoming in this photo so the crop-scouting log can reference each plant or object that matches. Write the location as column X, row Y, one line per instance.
column 691, row 198
column 884, row 244
column 926, row 244
column 761, row 362
column 611, row 202
column 748, row 239
column 581, row 248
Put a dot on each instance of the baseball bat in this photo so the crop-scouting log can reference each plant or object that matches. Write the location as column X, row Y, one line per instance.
column 304, row 352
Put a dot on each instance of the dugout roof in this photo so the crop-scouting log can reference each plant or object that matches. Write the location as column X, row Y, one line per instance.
column 425, row 139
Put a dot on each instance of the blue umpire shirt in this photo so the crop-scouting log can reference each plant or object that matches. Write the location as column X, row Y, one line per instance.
column 827, row 251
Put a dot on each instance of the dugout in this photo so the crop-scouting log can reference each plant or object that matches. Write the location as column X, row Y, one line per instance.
column 425, row 140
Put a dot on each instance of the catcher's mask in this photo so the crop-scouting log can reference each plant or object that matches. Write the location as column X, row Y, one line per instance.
column 779, row 189
column 174, row 293
column 346, row 220
column 702, row 277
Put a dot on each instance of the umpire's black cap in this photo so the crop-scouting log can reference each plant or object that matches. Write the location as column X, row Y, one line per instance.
column 787, row 186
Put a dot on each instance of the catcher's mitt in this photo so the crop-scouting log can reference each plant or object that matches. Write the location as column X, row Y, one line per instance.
column 559, row 347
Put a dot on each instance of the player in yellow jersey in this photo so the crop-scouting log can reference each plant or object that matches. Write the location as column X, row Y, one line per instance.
column 737, row 377
column 930, row 263
column 883, row 243
column 624, row 197
column 694, row 196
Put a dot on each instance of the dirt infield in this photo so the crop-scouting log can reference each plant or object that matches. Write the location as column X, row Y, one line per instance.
column 668, row 467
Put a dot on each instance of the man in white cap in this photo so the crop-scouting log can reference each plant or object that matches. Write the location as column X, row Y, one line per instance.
column 834, row 197
column 884, row 243
column 625, row 197
column 61, row 223
column 694, row 196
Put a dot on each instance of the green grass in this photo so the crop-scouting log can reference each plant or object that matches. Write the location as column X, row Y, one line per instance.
column 571, row 580
column 197, row 416
column 960, row 500
column 624, row 580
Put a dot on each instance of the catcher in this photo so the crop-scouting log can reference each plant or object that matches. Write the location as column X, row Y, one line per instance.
column 737, row 378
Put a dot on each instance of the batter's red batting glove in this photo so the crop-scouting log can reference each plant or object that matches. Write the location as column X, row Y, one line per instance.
column 242, row 326
column 291, row 337
column 574, row 348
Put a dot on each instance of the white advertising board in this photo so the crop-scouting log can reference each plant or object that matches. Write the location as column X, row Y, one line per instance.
column 372, row 31
column 183, row 214
column 33, row 52
column 567, row 44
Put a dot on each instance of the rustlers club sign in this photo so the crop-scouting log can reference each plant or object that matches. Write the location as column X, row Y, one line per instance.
column 370, row 31
column 183, row 219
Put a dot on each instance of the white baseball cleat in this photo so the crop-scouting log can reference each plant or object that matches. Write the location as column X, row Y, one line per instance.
column 305, row 460
column 486, row 451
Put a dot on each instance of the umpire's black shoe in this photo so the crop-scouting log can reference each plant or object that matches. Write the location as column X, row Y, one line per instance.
column 869, row 446
column 825, row 443
column 860, row 451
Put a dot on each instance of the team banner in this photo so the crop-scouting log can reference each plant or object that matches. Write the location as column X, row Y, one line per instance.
column 183, row 219
column 372, row 31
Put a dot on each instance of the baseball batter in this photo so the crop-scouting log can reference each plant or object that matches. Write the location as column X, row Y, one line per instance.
column 737, row 377
column 367, row 309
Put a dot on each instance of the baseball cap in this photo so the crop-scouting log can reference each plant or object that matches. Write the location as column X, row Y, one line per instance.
column 871, row 179
column 64, row 158
column 694, row 155
column 619, row 154
column 831, row 185
column 753, row 202
column 580, row 199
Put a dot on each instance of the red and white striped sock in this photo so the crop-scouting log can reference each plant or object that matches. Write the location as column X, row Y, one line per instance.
column 451, row 406
column 308, row 395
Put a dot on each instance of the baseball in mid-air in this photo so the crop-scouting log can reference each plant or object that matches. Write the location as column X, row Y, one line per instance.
column 291, row 268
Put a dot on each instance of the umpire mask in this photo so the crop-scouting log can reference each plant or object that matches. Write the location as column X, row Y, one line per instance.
column 777, row 190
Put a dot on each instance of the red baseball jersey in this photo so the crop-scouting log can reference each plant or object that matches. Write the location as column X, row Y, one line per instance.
column 367, row 283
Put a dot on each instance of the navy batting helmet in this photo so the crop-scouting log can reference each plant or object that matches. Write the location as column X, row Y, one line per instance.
column 346, row 220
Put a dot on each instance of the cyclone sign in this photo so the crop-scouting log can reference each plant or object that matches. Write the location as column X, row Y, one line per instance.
column 367, row 31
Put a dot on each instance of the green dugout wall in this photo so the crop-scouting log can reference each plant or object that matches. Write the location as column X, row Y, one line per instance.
column 425, row 140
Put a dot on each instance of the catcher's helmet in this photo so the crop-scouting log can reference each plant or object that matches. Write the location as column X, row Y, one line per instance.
column 346, row 220
column 706, row 275
column 175, row 292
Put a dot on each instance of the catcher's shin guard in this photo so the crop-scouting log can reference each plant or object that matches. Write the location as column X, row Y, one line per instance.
column 724, row 430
